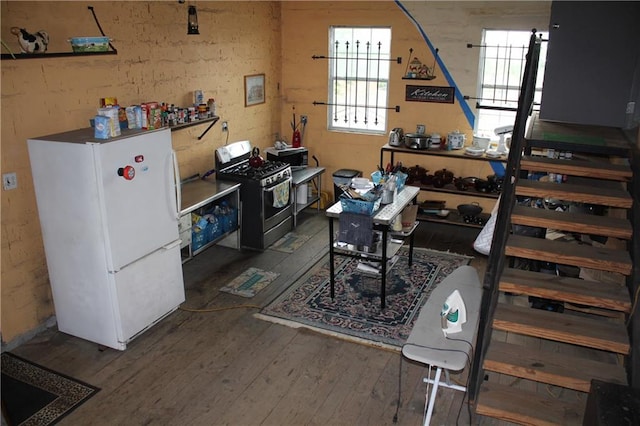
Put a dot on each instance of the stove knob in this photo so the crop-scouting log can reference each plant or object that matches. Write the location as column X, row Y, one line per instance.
column 127, row 172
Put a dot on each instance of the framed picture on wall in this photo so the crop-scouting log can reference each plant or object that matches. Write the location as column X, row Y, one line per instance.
column 253, row 89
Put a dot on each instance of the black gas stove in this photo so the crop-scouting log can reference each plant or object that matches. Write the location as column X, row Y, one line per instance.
column 265, row 194
column 270, row 172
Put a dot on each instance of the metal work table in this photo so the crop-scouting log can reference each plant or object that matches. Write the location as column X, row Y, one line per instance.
column 381, row 221
column 199, row 193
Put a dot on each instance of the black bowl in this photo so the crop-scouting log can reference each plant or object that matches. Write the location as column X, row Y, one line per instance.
column 469, row 209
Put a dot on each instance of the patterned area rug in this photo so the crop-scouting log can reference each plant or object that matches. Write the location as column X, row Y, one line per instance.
column 290, row 242
column 355, row 313
column 35, row 395
column 250, row 282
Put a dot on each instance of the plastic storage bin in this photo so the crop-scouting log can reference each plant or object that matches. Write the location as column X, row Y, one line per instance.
column 350, row 205
column 343, row 177
column 198, row 239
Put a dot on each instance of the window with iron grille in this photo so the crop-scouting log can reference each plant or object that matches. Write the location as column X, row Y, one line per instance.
column 359, row 62
column 502, row 62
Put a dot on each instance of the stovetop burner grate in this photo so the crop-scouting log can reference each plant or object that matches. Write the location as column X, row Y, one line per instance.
column 270, row 172
column 247, row 171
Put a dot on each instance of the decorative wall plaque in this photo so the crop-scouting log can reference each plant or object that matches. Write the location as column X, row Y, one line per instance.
column 444, row 95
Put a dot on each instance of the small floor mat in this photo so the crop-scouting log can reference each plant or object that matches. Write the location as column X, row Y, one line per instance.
column 250, row 282
column 290, row 242
column 35, row 395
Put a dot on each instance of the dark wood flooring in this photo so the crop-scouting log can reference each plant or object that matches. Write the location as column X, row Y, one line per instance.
column 223, row 366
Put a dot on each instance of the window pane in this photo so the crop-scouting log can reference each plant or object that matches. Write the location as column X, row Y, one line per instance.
column 359, row 74
column 502, row 62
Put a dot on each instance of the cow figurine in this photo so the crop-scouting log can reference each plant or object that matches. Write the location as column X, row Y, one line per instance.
column 31, row 43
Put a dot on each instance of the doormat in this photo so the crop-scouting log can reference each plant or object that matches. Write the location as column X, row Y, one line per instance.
column 355, row 313
column 35, row 395
column 290, row 242
column 250, row 282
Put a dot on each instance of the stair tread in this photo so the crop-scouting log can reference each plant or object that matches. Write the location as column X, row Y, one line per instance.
column 566, row 253
column 590, row 194
column 550, row 367
column 577, row 167
column 566, row 289
column 583, row 331
column 572, row 222
column 520, row 406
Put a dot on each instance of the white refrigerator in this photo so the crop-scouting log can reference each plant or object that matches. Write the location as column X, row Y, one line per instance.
column 109, row 211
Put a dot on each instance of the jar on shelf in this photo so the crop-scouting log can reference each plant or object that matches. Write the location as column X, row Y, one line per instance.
column 211, row 103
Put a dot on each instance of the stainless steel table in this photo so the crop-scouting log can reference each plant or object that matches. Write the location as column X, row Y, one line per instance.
column 382, row 220
column 199, row 193
column 301, row 177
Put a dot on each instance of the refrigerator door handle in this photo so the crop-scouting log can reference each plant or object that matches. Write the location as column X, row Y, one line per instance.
column 172, row 245
column 176, row 183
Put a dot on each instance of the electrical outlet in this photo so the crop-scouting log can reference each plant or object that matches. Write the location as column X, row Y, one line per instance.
column 225, row 126
column 303, row 119
column 9, row 181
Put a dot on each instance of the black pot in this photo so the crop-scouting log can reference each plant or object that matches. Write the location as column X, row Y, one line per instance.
column 473, row 209
column 470, row 181
column 482, row 185
column 416, row 173
column 495, row 183
column 445, row 174
column 427, row 180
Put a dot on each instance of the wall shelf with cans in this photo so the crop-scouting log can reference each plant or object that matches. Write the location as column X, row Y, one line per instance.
column 212, row 120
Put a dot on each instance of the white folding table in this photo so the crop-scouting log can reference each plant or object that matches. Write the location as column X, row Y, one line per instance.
column 428, row 345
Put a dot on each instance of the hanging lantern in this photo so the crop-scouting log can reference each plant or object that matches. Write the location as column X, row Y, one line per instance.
column 192, row 27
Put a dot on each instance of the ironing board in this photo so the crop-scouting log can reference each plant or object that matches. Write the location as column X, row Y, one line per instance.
column 428, row 345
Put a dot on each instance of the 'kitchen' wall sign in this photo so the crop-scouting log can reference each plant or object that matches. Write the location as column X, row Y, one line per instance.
column 445, row 95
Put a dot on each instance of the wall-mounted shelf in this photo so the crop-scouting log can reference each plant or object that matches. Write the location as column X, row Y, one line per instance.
column 418, row 78
column 56, row 55
column 211, row 120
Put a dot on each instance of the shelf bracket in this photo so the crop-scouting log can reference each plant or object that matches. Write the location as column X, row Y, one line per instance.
column 207, row 129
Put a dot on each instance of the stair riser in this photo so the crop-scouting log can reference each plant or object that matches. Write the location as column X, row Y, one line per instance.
column 543, row 333
column 565, row 297
column 511, row 417
column 592, row 263
column 578, row 198
column 536, row 375
column 576, row 168
column 577, row 227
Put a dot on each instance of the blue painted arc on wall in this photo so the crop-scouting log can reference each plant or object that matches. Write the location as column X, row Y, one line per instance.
column 447, row 75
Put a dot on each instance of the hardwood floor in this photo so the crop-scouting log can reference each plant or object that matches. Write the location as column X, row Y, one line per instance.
column 227, row 367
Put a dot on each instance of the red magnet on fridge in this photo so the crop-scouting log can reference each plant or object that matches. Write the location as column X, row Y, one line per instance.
column 139, row 158
column 127, row 172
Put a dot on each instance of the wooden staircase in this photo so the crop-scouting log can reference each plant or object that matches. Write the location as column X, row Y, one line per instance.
column 539, row 363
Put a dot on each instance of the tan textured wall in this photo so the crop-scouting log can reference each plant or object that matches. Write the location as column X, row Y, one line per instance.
column 449, row 25
column 157, row 61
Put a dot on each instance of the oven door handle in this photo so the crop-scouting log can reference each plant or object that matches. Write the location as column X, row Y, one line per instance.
column 271, row 189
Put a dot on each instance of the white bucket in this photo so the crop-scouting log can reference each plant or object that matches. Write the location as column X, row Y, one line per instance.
column 301, row 193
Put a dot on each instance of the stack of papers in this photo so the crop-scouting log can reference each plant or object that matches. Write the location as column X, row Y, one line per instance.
column 372, row 267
